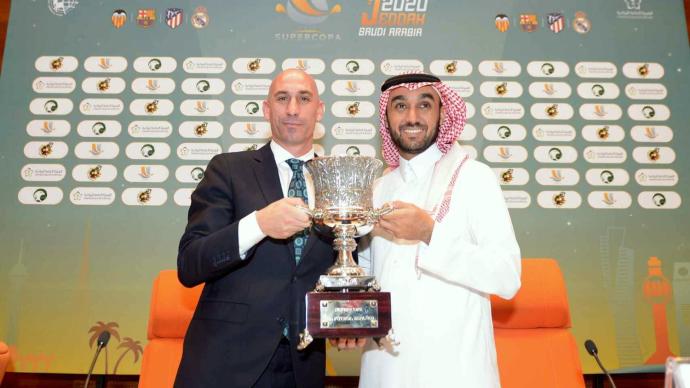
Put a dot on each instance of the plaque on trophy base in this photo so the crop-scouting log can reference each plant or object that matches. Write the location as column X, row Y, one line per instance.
column 348, row 314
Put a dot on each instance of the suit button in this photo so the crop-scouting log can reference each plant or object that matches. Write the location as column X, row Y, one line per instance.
column 294, row 278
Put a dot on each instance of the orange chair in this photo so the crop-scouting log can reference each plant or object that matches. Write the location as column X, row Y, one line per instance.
column 4, row 359
column 533, row 344
column 172, row 306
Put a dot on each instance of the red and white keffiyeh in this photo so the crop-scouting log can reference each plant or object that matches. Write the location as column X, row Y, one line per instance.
column 449, row 129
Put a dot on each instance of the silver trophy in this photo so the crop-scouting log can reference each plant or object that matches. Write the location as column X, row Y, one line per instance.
column 343, row 192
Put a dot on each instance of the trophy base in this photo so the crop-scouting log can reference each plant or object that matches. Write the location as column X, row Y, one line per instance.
column 346, row 283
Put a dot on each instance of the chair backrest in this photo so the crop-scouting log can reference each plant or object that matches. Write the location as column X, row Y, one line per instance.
column 533, row 342
column 4, row 359
column 172, row 307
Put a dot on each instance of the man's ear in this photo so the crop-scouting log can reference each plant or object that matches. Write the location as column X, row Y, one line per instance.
column 320, row 111
column 267, row 110
column 442, row 115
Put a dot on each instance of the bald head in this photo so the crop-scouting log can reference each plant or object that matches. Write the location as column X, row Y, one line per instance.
column 294, row 76
column 293, row 107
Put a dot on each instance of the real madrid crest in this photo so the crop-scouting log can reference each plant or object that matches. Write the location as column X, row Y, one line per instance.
column 200, row 18
column 581, row 24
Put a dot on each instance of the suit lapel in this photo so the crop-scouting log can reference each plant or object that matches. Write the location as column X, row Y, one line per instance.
column 269, row 182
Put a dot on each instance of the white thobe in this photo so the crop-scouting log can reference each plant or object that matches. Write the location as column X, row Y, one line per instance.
column 441, row 311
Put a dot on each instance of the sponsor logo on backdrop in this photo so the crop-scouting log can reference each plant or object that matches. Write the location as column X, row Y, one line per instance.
column 119, row 18
column 174, row 17
column 146, row 17
column 200, row 18
column 62, row 7
column 390, row 18
column 502, row 22
column 307, row 13
column 529, row 22
column 634, row 11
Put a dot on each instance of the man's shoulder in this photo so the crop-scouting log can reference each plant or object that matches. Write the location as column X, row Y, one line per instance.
column 236, row 157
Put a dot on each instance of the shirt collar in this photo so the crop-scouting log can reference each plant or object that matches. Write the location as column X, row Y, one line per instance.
column 420, row 165
column 281, row 154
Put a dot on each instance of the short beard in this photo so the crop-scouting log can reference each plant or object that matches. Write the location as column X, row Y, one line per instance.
column 413, row 150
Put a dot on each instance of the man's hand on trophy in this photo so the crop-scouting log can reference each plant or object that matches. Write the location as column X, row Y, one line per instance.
column 408, row 222
column 347, row 343
column 282, row 219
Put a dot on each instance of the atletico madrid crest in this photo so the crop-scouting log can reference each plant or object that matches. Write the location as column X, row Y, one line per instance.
column 502, row 22
column 556, row 22
column 119, row 18
column 173, row 17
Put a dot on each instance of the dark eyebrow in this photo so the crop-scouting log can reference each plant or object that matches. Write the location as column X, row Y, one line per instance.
column 398, row 98
column 427, row 96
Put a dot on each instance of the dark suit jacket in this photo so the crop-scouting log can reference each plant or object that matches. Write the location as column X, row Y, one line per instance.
column 244, row 305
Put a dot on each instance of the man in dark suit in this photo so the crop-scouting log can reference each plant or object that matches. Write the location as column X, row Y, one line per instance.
column 247, row 240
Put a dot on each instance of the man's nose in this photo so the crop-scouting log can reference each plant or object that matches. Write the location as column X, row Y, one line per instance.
column 293, row 107
column 412, row 115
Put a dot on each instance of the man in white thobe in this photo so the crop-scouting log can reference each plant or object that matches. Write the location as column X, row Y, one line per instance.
column 445, row 248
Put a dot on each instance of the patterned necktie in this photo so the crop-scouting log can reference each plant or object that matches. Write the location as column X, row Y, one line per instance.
column 298, row 189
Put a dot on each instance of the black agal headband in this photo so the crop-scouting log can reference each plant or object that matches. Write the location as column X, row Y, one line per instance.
column 408, row 78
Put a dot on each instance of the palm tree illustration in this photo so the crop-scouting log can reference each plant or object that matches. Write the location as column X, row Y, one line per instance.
column 99, row 328
column 130, row 345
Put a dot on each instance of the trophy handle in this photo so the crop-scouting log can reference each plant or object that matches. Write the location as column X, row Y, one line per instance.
column 316, row 214
column 375, row 214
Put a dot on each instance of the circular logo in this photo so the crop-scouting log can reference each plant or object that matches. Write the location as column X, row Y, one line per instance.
column 352, row 151
column 98, row 128
column 352, row 66
column 203, row 86
column 307, row 11
column 547, row 69
column 147, row 150
column 197, row 173
column 555, row 154
column 155, row 64
column 61, row 7
column 252, row 107
column 40, row 195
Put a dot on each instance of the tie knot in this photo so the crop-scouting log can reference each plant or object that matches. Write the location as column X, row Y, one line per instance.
column 295, row 164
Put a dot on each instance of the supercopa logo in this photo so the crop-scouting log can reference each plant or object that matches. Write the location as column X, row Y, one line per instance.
column 307, row 13
column 394, row 18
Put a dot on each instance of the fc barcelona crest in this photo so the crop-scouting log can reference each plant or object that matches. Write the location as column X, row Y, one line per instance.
column 556, row 22
column 529, row 22
column 173, row 17
column 119, row 18
column 146, row 17
column 502, row 22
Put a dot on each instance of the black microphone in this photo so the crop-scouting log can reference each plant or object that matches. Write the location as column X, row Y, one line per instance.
column 102, row 341
column 594, row 352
